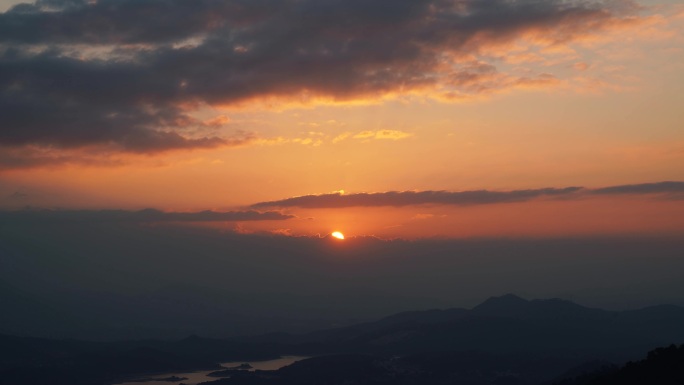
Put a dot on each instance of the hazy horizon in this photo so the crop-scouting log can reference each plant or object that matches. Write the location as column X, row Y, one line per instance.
column 168, row 167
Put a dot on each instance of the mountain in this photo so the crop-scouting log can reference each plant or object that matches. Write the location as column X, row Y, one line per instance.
column 504, row 340
column 510, row 305
column 506, row 304
column 503, row 324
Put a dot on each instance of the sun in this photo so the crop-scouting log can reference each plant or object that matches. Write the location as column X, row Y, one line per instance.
column 337, row 235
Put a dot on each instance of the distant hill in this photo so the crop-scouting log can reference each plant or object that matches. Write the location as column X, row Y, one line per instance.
column 505, row 324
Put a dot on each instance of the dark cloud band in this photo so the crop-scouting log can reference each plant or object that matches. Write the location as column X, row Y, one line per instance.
column 126, row 73
column 643, row 188
column 408, row 198
column 463, row 198
column 147, row 215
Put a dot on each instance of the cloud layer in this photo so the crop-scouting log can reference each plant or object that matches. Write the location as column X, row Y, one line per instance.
column 127, row 75
column 147, row 215
column 643, row 188
column 462, row 198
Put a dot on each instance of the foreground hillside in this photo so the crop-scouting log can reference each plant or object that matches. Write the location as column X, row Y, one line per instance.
column 662, row 366
column 37, row 361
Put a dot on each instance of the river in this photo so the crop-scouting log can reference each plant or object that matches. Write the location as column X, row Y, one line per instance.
column 194, row 378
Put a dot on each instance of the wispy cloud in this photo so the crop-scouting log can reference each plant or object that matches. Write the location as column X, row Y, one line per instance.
column 372, row 135
column 383, row 134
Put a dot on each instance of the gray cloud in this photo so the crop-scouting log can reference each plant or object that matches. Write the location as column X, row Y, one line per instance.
column 146, row 142
column 147, row 215
column 643, row 188
column 407, row 198
column 122, row 73
column 463, row 198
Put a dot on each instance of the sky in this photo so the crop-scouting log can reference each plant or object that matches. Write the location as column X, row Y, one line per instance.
column 190, row 106
column 170, row 167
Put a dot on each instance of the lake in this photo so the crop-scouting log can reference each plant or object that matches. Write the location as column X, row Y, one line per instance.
column 202, row 376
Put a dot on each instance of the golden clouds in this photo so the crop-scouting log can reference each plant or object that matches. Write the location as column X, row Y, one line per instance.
column 382, row 134
column 317, row 139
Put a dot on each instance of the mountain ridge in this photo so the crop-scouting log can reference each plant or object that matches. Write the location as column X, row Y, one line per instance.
column 523, row 333
column 506, row 323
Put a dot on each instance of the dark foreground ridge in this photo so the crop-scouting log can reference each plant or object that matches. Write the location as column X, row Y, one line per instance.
column 28, row 361
column 504, row 340
column 662, row 366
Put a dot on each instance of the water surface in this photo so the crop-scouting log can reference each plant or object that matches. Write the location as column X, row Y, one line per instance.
column 194, row 378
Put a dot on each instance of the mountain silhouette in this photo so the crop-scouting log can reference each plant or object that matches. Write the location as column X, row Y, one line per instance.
column 508, row 303
column 512, row 306
column 502, row 325
column 506, row 339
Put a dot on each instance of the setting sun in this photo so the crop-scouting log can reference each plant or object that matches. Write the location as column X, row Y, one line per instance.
column 337, row 235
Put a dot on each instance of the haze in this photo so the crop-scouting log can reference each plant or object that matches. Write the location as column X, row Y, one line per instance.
column 169, row 167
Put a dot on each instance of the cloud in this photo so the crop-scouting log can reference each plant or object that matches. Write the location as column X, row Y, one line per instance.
column 408, row 198
column 35, row 156
column 31, row 156
column 644, row 188
column 129, row 74
column 381, row 134
column 424, row 216
column 18, row 195
column 341, row 137
column 147, row 215
column 463, row 198
column 368, row 135
column 581, row 66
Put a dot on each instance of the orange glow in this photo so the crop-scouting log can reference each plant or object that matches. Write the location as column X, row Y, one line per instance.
column 600, row 216
column 481, row 122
